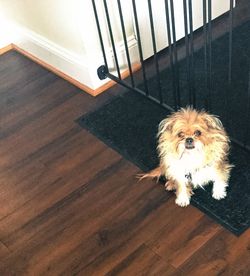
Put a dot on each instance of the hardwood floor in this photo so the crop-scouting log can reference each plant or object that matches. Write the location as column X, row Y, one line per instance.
column 71, row 205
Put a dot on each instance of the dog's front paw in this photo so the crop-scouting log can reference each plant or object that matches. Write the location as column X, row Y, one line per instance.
column 182, row 200
column 219, row 190
column 219, row 194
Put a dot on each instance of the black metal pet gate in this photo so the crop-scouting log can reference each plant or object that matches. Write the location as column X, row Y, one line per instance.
column 183, row 72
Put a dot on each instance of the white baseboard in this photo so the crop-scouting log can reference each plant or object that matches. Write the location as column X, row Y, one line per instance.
column 52, row 54
column 80, row 68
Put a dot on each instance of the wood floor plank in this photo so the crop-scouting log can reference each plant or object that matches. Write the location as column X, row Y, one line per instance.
column 177, row 242
column 4, row 251
column 134, row 264
column 223, row 255
column 79, row 226
column 71, row 205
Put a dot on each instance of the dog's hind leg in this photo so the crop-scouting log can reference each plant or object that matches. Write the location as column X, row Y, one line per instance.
column 170, row 185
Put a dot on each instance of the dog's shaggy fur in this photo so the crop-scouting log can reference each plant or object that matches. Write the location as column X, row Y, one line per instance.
column 193, row 150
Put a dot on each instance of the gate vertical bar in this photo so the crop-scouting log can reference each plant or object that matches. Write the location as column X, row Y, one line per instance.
column 192, row 72
column 246, row 138
column 187, row 50
column 112, row 38
column 155, row 51
column 209, row 55
column 230, row 41
column 125, row 43
column 205, row 52
column 171, row 55
column 99, row 33
column 175, row 52
column 140, row 48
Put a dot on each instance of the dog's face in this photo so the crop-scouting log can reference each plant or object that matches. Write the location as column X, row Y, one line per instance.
column 190, row 131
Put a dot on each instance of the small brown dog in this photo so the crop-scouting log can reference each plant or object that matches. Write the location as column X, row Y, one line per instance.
column 193, row 150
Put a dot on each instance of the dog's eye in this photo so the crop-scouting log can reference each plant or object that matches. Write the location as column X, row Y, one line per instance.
column 197, row 133
column 180, row 134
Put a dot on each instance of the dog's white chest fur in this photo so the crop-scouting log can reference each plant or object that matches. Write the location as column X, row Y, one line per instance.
column 190, row 163
column 187, row 162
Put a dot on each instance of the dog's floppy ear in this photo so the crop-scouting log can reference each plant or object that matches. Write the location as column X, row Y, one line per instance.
column 166, row 125
column 213, row 122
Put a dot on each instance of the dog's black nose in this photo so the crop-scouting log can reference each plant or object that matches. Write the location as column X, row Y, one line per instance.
column 189, row 141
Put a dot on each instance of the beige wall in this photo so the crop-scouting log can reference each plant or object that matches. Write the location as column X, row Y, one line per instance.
column 63, row 33
column 68, row 23
column 6, row 36
column 68, row 26
column 158, row 8
column 56, row 20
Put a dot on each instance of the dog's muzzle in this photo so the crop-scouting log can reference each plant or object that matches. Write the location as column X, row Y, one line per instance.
column 189, row 143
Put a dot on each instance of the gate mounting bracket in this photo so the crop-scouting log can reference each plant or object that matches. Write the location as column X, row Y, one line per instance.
column 102, row 72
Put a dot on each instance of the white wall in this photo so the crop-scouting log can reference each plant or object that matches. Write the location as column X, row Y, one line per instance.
column 55, row 20
column 158, row 7
column 6, row 35
column 63, row 34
